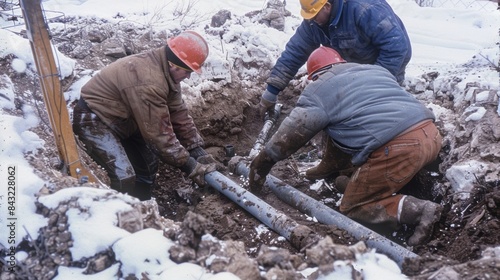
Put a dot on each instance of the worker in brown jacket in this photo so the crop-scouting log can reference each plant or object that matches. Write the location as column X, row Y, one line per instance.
column 131, row 114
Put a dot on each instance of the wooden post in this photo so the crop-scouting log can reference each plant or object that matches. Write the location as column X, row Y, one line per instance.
column 57, row 110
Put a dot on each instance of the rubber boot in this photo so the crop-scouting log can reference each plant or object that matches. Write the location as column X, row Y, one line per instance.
column 142, row 191
column 422, row 213
column 123, row 185
column 333, row 161
column 133, row 187
column 144, row 185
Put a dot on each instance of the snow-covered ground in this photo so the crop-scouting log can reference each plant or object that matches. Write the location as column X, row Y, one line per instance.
column 448, row 40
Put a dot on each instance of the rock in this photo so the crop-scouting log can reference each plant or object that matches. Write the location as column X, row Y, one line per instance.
column 95, row 34
column 274, row 15
column 99, row 263
column 192, row 228
column 228, row 256
column 270, row 257
column 180, row 254
column 82, row 50
column 114, row 48
column 327, row 252
column 152, row 218
column 277, row 273
column 220, row 18
column 131, row 220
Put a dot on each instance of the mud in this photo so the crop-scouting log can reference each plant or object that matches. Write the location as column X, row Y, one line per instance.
column 466, row 229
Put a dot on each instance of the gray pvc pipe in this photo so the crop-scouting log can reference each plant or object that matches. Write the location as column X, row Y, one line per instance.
column 327, row 215
column 269, row 122
column 298, row 235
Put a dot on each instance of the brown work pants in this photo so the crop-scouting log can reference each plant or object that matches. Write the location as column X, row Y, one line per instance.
column 370, row 196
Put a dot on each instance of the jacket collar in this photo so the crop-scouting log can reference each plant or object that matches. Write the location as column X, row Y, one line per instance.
column 337, row 6
column 165, row 67
column 341, row 67
column 335, row 13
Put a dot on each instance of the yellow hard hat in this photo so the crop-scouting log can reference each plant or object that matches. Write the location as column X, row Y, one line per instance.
column 310, row 8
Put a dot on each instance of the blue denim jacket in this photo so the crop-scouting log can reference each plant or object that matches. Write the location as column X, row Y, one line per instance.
column 362, row 31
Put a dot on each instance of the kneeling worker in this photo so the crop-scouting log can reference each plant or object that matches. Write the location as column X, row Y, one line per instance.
column 389, row 134
column 131, row 114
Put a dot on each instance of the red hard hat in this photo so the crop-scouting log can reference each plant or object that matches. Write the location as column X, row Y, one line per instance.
column 321, row 57
column 190, row 48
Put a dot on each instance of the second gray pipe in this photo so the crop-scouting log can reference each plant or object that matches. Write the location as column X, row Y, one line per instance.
column 327, row 215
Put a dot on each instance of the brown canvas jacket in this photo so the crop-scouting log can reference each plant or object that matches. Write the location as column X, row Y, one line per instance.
column 137, row 93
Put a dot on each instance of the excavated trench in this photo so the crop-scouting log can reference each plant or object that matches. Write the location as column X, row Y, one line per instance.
column 239, row 215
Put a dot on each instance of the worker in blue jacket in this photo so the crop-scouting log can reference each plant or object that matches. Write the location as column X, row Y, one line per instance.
column 361, row 31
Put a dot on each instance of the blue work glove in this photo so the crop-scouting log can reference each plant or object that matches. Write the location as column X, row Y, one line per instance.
column 267, row 103
column 259, row 168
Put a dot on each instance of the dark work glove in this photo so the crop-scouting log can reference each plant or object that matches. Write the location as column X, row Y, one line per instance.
column 197, row 171
column 203, row 157
column 208, row 159
column 189, row 166
column 267, row 103
column 259, row 168
column 197, row 152
column 198, row 174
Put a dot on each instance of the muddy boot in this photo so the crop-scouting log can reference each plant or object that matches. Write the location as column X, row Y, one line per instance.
column 422, row 213
column 341, row 183
column 123, row 185
column 142, row 191
column 332, row 162
column 143, row 187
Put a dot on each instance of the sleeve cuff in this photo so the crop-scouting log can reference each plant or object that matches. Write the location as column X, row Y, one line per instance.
column 272, row 89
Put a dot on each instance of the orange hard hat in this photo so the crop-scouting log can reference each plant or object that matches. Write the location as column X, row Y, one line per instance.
column 190, row 48
column 321, row 57
column 310, row 8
